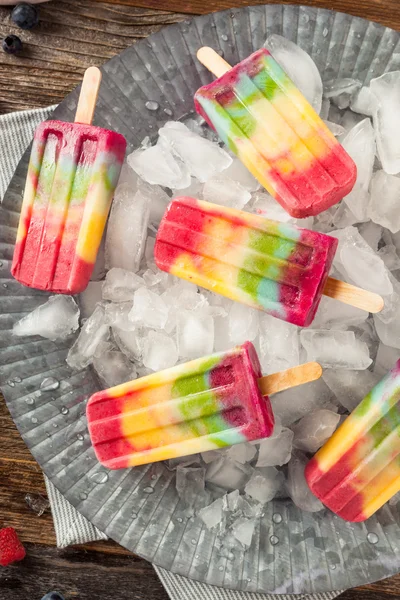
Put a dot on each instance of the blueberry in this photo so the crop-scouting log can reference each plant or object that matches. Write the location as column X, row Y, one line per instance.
column 12, row 44
column 25, row 15
column 53, row 596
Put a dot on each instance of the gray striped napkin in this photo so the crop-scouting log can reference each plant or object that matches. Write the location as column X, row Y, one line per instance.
column 16, row 132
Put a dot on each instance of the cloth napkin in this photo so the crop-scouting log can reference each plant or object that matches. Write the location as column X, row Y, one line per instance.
column 16, row 132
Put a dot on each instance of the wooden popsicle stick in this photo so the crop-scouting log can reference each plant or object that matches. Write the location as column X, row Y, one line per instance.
column 353, row 295
column 213, row 61
column 88, row 96
column 277, row 382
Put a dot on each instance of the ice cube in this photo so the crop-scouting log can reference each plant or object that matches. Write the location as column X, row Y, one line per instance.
column 279, row 344
column 348, row 119
column 333, row 314
column 242, row 453
column 94, row 331
column 117, row 315
column 350, row 387
column 243, row 531
column 212, row 455
column 195, row 334
column 343, row 216
column 239, row 173
column 189, row 483
column 360, row 145
column 89, row 298
column 325, row 106
column 363, row 102
column 356, row 260
column 263, row 487
column 266, row 206
column 299, row 66
column 384, row 204
column 148, row 309
column 385, row 359
column 228, row 474
column 336, row 129
column 290, row 405
column 313, row 430
column 212, row 515
column 389, row 331
column 276, row 450
column 386, row 90
column 112, row 366
column 372, row 234
column 37, row 503
column 120, row 285
column 225, row 192
column 297, row 486
column 202, row 158
column 335, row 349
column 159, row 351
column 390, row 257
column 158, row 204
column 242, row 323
column 193, row 190
column 128, row 176
column 157, row 165
column 130, row 342
column 341, row 91
column 55, row 320
column 190, row 460
column 127, row 227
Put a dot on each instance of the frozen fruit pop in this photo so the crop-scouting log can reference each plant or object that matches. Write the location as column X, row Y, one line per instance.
column 358, row 469
column 205, row 404
column 261, row 116
column 275, row 267
column 72, row 175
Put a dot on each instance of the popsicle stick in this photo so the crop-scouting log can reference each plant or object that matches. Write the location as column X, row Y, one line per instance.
column 351, row 294
column 88, row 96
column 277, row 382
column 213, row 61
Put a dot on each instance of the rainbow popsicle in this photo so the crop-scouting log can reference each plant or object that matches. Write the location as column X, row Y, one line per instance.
column 272, row 266
column 201, row 405
column 262, row 117
column 72, row 175
column 358, row 469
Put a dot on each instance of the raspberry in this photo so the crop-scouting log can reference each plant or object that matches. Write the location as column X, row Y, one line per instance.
column 11, row 548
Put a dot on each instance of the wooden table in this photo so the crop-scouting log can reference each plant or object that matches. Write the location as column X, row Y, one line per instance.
column 72, row 35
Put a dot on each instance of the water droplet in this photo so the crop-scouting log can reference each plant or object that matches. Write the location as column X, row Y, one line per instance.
column 231, row 556
column 154, row 477
column 274, row 540
column 179, row 520
column 221, row 568
column 134, row 516
column 306, row 18
column 277, row 518
column 224, row 37
column 5, row 285
column 34, row 420
column 11, row 383
column 30, row 401
column 151, row 105
column 99, row 477
column 49, row 384
column 64, row 410
column 248, row 580
column 332, row 567
column 168, row 112
column 1, row 264
column 325, row 32
column 17, row 379
column 193, row 542
column 148, row 490
column 55, row 425
column 372, row 538
column 83, row 496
